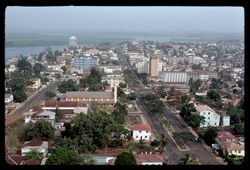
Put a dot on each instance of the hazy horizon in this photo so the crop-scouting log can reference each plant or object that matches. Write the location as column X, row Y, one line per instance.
column 143, row 20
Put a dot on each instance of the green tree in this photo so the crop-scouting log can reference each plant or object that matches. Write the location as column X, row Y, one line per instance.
column 59, row 115
column 97, row 130
column 125, row 158
column 19, row 96
column 187, row 160
column 131, row 96
column 51, row 58
column 68, row 85
column 37, row 68
column 63, row 156
column 122, row 85
column 41, row 129
column 213, row 95
column 155, row 143
column 64, row 68
column 240, row 83
column 120, row 92
column 92, row 81
column 24, row 67
column 49, row 94
column 239, row 129
column 33, row 154
column 196, row 120
column 162, row 92
column 210, row 135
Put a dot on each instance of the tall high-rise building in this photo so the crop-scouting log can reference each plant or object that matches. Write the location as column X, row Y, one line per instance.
column 153, row 68
column 72, row 42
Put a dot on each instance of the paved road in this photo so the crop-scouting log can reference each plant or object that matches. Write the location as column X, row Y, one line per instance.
column 34, row 99
column 200, row 150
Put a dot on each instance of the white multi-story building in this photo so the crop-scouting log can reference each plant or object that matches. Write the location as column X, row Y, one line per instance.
column 211, row 117
column 31, row 117
column 142, row 67
column 72, row 42
column 112, row 69
column 159, row 65
column 174, row 77
column 141, row 132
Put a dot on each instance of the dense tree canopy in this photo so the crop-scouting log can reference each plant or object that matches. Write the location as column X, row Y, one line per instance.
column 153, row 103
column 63, row 156
column 49, row 94
column 96, row 130
column 69, row 85
column 37, row 68
column 41, row 129
column 210, row 135
column 19, row 96
column 92, row 81
column 239, row 129
column 125, row 158
column 24, row 67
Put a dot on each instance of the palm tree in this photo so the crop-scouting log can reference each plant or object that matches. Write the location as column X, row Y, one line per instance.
column 130, row 146
column 162, row 143
column 187, row 160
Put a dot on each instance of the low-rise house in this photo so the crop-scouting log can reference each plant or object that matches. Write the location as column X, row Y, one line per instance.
column 36, row 84
column 141, row 132
column 69, row 109
column 37, row 144
column 149, row 159
column 229, row 144
column 32, row 117
column 8, row 98
column 211, row 117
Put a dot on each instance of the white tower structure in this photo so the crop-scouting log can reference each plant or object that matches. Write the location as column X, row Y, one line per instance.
column 72, row 42
column 115, row 94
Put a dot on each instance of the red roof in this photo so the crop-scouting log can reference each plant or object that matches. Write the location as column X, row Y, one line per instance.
column 34, row 142
column 32, row 162
column 225, row 136
column 143, row 127
column 56, row 103
column 14, row 159
column 141, row 158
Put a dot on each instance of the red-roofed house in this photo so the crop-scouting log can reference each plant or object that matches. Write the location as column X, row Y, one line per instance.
column 37, row 144
column 230, row 144
column 14, row 159
column 149, row 159
column 19, row 160
column 141, row 131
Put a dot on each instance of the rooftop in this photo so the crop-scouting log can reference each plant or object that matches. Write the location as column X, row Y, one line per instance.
column 56, row 103
column 8, row 95
column 14, row 159
column 89, row 94
column 34, row 142
column 201, row 108
column 141, row 158
column 144, row 127
column 226, row 136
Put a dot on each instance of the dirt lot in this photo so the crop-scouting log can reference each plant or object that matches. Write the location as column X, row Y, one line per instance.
column 12, row 119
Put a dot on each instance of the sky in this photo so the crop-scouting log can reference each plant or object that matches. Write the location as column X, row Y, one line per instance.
column 125, row 19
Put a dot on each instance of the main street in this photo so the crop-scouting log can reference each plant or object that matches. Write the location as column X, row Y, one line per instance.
column 34, row 99
column 200, row 150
